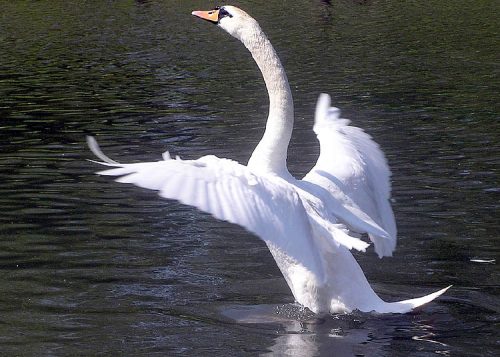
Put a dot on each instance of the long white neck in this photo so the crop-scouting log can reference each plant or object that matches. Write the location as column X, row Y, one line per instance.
column 270, row 154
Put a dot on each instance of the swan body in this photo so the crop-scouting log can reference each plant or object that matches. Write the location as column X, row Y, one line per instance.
column 309, row 225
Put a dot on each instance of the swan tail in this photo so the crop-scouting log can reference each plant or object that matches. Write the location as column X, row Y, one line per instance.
column 401, row 307
column 349, row 289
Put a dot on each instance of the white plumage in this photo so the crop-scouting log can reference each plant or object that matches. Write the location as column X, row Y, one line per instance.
column 353, row 169
column 309, row 225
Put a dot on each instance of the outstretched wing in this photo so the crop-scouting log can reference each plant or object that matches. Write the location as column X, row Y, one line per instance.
column 353, row 169
column 266, row 206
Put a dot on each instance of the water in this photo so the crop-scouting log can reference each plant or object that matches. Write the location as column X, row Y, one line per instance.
column 92, row 267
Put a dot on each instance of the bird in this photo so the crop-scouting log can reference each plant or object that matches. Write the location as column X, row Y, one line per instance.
column 309, row 225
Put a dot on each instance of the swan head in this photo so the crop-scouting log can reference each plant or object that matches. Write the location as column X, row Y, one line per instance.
column 233, row 20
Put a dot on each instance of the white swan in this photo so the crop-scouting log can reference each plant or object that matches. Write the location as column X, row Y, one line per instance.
column 309, row 225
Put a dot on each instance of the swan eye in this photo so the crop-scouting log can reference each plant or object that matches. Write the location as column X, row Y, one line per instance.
column 223, row 13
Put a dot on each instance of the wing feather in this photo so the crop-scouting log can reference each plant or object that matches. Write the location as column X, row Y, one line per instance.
column 353, row 169
column 265, row 205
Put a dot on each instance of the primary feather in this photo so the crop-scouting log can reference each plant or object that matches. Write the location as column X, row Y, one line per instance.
column 353, row 169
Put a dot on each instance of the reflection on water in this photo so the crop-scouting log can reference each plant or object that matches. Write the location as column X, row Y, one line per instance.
column 346, row 335
column 88, row 265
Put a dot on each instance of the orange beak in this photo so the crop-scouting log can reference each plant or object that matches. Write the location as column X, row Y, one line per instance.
column 212, row 15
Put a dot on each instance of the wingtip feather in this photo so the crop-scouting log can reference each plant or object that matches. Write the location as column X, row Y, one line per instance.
column 322, row 107
column 96, row 150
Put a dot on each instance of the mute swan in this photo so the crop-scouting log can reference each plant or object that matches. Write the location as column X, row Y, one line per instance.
column 308, row 225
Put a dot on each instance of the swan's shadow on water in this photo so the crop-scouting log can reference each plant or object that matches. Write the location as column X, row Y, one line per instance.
column 300, row 333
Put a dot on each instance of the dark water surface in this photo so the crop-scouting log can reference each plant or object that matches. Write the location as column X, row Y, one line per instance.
column 91, row 267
